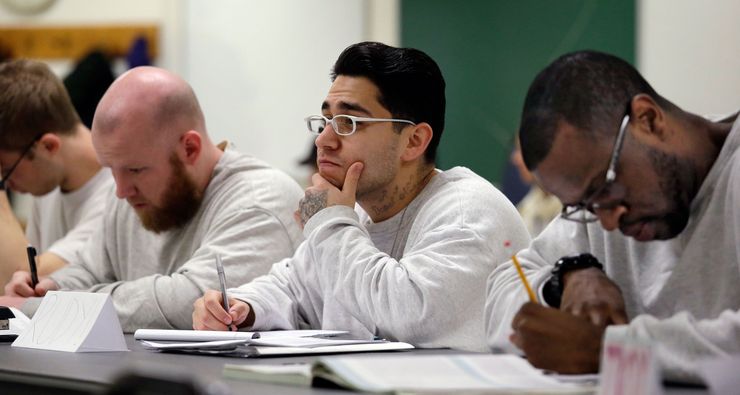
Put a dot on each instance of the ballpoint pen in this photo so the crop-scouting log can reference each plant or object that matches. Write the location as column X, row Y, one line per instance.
column 31, row 252
column 222, row 280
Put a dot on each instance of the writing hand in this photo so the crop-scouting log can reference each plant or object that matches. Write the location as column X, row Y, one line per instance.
column 45, row 285
column 590, row 293
column 209, row 313
column 20, row 285
column 558, row 341
column 323, row 194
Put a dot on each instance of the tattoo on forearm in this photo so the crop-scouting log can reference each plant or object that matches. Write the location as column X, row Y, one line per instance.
column 312, row 203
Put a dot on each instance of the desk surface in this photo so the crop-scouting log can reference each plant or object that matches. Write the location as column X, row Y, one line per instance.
column 29, row 371
column 92, row 372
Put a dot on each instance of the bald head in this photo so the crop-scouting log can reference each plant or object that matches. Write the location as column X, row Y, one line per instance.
column 150, row 131
column 149, row 103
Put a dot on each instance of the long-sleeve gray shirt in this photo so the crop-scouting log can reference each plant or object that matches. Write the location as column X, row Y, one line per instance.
column 417, row 277
column 246, row 216
column 682, row 294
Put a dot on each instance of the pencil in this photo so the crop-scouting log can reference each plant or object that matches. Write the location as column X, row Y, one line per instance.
column 518, row 267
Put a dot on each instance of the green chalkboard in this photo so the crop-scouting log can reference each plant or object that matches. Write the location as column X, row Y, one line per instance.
column 489, row 52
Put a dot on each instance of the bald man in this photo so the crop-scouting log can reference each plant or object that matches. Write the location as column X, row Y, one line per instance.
column 181, row 200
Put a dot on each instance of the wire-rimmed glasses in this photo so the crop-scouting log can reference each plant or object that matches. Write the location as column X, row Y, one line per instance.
column 6, row 175
column 343, row 125
column 584, row 211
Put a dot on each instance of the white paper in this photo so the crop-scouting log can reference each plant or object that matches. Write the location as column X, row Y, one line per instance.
column 721, row 374
column 202, row 336
column 308, row 342
column 629, row 366
column 74, row 322
column 487, row 373
column 344, row 348
column 216, row 344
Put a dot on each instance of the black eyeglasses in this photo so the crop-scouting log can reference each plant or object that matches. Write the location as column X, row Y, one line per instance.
column 583, row 211
column 7, row 174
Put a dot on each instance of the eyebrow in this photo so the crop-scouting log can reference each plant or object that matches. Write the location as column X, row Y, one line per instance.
column 345, row 106
column 590, row 189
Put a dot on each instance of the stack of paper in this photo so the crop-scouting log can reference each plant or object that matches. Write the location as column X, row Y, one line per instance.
column 268, row 343
column 470, row 373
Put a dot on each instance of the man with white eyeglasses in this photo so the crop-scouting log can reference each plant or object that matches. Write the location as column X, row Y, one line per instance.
column 647, row 248
column 394, row 247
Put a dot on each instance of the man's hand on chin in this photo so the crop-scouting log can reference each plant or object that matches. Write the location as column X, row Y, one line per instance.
column 323, row 194
column 12, row 301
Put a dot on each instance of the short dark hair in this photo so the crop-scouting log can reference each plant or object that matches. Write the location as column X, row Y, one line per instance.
column 410, row 83
column 33, row 101
column 587, row 89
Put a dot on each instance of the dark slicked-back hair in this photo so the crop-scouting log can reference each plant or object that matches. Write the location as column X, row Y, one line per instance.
column 587, row 89
column 410, row 83
column 33, row 101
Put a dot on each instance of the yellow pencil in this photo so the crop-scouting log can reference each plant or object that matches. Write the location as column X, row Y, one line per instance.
column 518, row 267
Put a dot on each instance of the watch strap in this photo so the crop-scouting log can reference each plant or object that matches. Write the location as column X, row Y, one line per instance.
column 552, row 291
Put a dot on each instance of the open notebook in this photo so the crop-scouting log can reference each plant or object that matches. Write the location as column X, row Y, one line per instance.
column 461, row 373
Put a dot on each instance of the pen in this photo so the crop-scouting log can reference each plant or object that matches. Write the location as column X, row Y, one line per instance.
column 222, row 280
column 32, row 263
column 518, row 267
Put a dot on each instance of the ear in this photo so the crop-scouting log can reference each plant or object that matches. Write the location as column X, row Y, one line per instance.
column 191, row 144
column 50, row 143
column 417, row 141
column 647, row 118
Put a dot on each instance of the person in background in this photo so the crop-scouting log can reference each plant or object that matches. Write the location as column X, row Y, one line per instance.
column 46, row 151
column 180, row 202
column 538, row 208
column 647, row 248
column 394, row 247
column 310, row 161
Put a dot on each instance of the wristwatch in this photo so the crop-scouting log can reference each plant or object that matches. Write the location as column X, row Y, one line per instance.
column 552, row 291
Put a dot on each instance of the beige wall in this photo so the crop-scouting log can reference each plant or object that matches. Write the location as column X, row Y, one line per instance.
column 689, row 50
column 259, row 67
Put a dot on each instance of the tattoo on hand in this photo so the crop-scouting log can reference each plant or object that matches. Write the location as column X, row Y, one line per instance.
column 312, row 203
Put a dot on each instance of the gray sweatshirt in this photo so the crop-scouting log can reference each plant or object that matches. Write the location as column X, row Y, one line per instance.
column 682, row 294
column 246, row 216
column 417, row 277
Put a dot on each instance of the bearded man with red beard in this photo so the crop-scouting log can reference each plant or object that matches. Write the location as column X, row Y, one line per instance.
column 180, row 200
